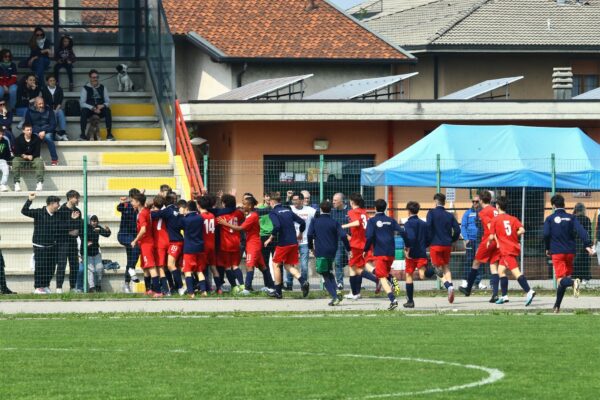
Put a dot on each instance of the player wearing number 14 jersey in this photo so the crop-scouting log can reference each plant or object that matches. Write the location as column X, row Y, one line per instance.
column 358, row 225
column 506, row 230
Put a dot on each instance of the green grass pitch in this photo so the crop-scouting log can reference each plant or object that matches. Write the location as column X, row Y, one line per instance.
column 301, row 356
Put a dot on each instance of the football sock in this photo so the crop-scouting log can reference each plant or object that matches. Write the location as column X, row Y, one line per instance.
column 177, row 278
column 202, row 285
column 367, row 275
column 148, row 282
column 164, row 285
column 504, row 285
column 329, row 282
column 494, row 281
column 359, row 280
column 156, row 284
column 448, row 285
column 301, row 280
column 523, row 282
column 566, row 282
column 278, row 289
column 471, row 278
column 249, row 278
column 189, row 282
column 170, row 279
column 230, row 277
column 391, row 296
column 410, row 287
column 239, row 276
column 218, row 283
column 353, row 281
column 560, row 293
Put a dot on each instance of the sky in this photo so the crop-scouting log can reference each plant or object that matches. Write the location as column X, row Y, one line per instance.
column 345, row 4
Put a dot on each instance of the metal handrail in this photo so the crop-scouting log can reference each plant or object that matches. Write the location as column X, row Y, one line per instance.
column 185, row 149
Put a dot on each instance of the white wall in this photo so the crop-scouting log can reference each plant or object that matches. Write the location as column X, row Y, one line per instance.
column 198, row 77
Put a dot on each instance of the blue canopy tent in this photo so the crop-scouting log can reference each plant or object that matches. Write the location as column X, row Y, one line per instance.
column 473, row 156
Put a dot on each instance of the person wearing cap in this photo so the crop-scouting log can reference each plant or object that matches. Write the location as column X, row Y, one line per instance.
column 46, row 229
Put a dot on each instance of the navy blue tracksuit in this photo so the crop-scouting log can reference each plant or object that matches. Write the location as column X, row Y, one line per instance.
column 560, row 231
column 283, row 225
column 416, row 237
column 380, row 234
column 443, row 227
column 323, row 235
column 128, row 232
column 170, row 214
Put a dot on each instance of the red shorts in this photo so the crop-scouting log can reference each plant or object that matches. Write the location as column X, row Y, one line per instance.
column 161, row 255
column 211, row 258
column 440, row 255
column 563, row 264
column 175, row 249
column 383, row 266
column 194, row 262
column 254, row 258
column 412, row 264
column 369, row 258
column 228, row 259
column 487, row 254
column 147, row 259
column 357, row 259
column 509, row 262
column 287, row 255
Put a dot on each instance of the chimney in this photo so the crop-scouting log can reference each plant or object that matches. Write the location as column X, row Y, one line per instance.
column 311, row 5
column 562, row 83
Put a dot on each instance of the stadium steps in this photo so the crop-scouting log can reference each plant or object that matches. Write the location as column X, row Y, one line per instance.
column 140, row 157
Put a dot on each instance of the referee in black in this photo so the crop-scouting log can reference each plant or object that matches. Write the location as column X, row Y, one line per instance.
column 46, row 229
column 67, row 243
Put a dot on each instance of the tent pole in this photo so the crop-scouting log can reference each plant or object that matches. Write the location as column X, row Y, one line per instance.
column 438, row 175
column 386, row 191
column 522, row 236
column 553, row 166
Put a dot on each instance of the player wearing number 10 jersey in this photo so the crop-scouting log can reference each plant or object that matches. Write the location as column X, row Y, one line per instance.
column 505, row 230
column 358, row 225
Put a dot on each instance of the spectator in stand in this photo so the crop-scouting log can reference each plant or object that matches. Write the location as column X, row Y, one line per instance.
column 6, row 118
column 94, row 100
column 5, row 158
column 27, row 156
column 95, row 265
column 53, row 97
column 8, row 78
column 40, row 53
column 70, row 230
column 65, row 58
column 127, row 232
column 3, row 288
column 582, row 262
column 46, row 227
column 42, row 119
column 340, row 214
column 27, row 91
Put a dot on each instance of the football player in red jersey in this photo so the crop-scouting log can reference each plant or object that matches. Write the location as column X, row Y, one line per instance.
column 505, row 230
column 228, row 253
column 254, row 258
column 358, row 224
column 205, row 202
column 487, row 252
column 145, row 241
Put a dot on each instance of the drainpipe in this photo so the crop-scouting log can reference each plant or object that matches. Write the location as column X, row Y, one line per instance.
column 436, row 68
column 240, row 74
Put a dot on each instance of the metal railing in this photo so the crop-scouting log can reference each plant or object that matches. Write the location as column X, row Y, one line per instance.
column 185, row 149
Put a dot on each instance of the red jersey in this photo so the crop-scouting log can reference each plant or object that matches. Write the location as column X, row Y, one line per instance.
column 252, row 228
column 209, row 231
column 161, row 236
column 486, row 216
column 505, row 228
column 358, row 238
column 230, row 239
column 144, row 219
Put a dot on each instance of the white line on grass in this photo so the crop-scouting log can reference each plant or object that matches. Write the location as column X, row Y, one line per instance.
column 494, row 374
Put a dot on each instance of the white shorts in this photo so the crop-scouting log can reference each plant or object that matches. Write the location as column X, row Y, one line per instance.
column 399, row 265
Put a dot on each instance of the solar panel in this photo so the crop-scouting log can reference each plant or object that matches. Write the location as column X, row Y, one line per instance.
column 481, row 88
column 260, row 88
column 589, row 95
column 359, row 87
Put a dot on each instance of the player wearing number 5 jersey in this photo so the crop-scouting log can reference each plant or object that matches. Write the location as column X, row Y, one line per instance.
column 172, row 219
column 358, row 226
column 505, row 231
column 254, row 258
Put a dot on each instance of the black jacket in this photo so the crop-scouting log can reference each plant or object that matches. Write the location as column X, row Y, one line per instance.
column 31, row 148
column 25, row 94
column 69, row 224
column 94, row 240
column 46, row 227
column 5, row 153
column 53, row 100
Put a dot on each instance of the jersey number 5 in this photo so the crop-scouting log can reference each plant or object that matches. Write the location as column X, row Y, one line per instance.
column 507, row 228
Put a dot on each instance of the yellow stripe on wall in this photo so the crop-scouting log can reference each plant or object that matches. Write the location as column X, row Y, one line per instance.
column 152, row 185
column 134, row 133
column 138, row 158
column 132, row 110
